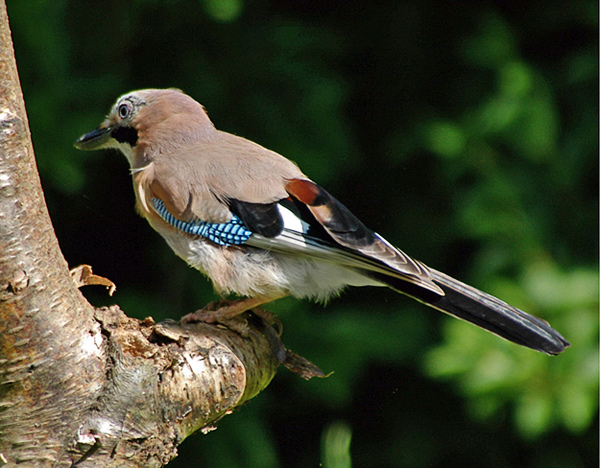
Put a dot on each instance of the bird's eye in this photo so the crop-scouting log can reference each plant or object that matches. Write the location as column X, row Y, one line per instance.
column 124, row 110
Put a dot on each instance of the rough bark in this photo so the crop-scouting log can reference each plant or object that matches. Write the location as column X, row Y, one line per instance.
column 94, row 387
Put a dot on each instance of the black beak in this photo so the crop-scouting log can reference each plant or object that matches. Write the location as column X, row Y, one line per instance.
column 96, row 139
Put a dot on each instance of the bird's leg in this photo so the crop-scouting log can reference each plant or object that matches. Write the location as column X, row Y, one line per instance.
column 227, row 309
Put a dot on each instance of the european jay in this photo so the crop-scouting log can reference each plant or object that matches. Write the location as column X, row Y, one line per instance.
column 251, row 221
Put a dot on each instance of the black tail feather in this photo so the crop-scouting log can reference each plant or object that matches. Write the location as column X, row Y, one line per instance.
column 485, row 311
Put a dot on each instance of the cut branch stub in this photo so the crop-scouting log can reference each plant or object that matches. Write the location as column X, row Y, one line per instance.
column 169, row 378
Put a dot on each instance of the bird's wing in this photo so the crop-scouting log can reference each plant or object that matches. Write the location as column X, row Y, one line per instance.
column 311, row 222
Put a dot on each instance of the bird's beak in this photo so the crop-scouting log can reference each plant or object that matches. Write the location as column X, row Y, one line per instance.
column 96, row 139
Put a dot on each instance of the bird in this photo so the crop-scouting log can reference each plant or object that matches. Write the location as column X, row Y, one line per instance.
column 259, row 228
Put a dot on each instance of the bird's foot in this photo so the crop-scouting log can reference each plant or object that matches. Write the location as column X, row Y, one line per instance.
column 270, row 319
column 225, row 309
column 213, row 312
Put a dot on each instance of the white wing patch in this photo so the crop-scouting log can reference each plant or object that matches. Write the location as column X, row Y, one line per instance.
column 291, row 222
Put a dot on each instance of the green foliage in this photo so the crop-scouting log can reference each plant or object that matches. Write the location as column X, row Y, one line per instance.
column 466, row 136
column 520, row 116
column 336, row 445
column 543, row 393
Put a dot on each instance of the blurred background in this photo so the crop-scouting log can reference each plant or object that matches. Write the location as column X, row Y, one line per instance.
column 466, row 133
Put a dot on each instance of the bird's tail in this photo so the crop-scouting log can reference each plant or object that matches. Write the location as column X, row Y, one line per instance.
column 486, row 311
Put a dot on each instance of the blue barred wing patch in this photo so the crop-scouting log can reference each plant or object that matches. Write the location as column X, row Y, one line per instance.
column 232, row 232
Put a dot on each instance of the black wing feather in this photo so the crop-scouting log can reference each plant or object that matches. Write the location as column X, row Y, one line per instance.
column 260, row 218
column 346, row 228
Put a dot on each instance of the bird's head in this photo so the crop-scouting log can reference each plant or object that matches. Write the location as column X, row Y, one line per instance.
column 148, row 122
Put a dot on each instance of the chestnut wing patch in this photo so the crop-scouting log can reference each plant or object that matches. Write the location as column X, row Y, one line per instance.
column 343, row 226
